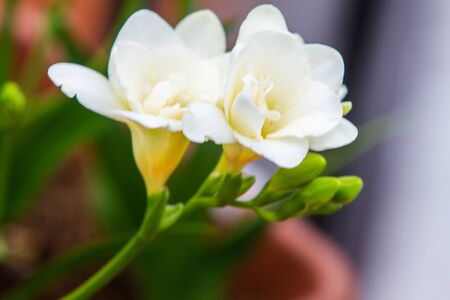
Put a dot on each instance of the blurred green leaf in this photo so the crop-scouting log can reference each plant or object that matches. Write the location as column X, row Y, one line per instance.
column 192, row 172
column 117, row 189
column 7, row 48
column 65, row 265
column 370, row 135
column 192, row 267
column 42, row 146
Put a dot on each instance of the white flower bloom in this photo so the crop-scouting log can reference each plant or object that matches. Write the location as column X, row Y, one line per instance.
column 154, row 73
column 282, row 96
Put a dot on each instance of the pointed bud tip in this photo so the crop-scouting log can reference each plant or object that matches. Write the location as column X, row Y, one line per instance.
column 346, row 107
column 350, row 187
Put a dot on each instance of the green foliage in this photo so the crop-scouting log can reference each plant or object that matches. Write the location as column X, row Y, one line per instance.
column 40, row 147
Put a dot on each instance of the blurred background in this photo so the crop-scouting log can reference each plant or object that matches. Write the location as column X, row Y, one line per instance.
column 74, row 179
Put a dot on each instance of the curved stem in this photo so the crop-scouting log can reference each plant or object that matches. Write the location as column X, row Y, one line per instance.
column 148, row 229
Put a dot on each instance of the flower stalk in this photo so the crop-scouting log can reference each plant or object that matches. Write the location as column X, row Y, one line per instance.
column 148, row 230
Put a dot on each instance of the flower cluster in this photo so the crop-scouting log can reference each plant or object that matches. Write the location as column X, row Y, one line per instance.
column 271, row 96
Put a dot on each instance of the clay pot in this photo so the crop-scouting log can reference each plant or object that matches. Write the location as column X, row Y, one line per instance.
column 295, row 261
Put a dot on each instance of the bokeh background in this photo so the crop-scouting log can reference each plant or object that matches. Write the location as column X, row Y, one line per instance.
column 396, row 235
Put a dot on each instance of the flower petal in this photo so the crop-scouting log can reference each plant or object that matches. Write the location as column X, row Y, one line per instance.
column 341, row 135
column 245, row 116
column 327, row 65
column 262, row 18
column 148, row 28
column 132, row 72
column 91, row 88
column 342, row 93
column 275, row 56
column 202, row 32
column 317, row 112
column 148, row 121
column 205, row 121
column 284, row 152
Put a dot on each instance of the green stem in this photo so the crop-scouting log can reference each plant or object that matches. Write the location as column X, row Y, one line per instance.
column 148, row 229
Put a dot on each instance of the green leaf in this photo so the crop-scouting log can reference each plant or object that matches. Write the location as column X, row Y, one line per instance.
column 370, row 135
column 42, row 146
column 7, row 49
column 116, row 186
column 193, row 267
column 193, row 171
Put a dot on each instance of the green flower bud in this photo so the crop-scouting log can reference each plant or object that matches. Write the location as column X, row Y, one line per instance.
column 318, row 192
column 288, row 179
column 230, row 188
column 346, row 107
column 12, row 104
column 350, row 187
column 312, row 196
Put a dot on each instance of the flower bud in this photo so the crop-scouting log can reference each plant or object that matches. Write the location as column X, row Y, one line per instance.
column 12, row 104
column 233, row 186
column 346, row 107
column 287, row 179
column 309, row 198
column 157, row 153
column 350, row 187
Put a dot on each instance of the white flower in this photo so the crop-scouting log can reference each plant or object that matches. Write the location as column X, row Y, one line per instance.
column 282, row 96
column 154, row 73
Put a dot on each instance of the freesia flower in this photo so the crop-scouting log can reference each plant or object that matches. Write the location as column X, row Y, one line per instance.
column 154, row 73
column 282, row 97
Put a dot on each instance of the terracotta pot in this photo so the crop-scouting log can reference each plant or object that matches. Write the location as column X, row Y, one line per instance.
column 295, row 261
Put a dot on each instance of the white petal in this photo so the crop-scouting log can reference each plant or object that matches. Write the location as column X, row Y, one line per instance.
column 138, row 69
column 326, row 64
column 245, row 116
column 148, row 121
column 262, row 18
column 341, row 135
column 205, row 121
column 133, row 72
column 284, row 152
column 202, row 32
column 342, row 93
column 148, row 28
column 317, row 112
column 276, row 56
column 91, row 88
